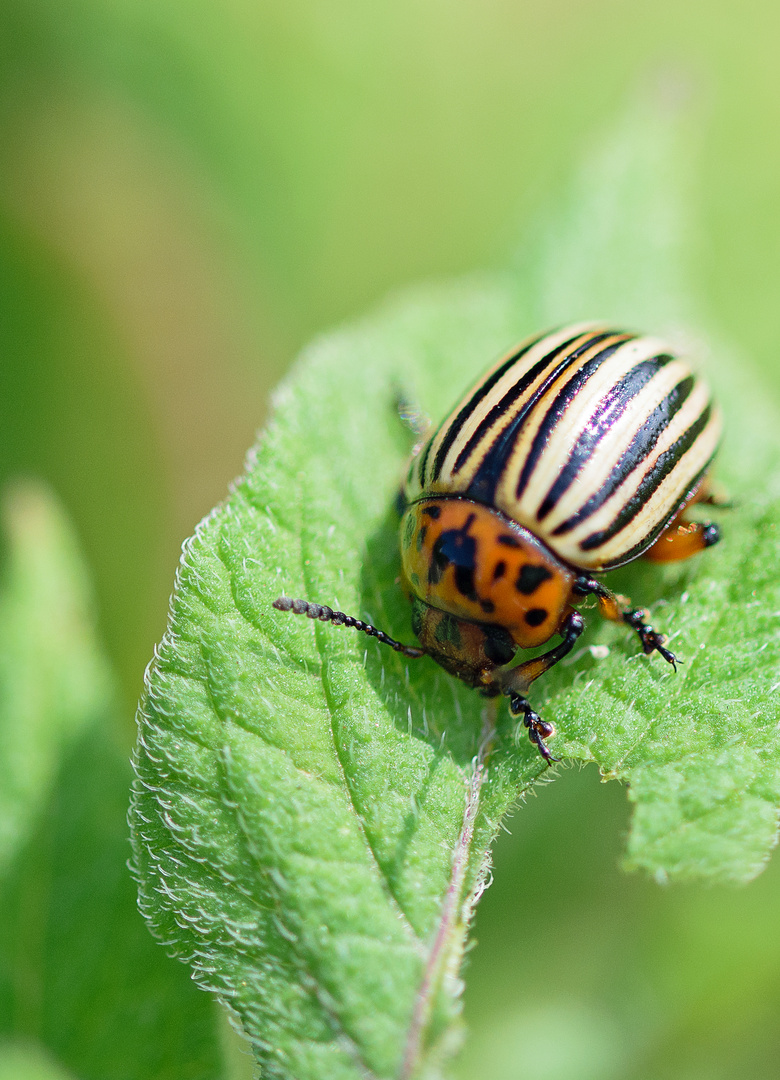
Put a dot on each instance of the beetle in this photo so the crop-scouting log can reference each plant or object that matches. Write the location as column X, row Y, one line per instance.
column 578, row 452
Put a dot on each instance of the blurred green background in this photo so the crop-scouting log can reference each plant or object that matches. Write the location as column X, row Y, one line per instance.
column 190, row 191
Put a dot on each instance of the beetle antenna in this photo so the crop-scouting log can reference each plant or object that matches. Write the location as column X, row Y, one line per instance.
column 338, row 618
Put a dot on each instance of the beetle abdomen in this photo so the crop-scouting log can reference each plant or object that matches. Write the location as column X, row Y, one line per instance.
column 591, row 438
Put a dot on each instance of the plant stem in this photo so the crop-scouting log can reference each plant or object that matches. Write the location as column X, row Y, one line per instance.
column 452, row 905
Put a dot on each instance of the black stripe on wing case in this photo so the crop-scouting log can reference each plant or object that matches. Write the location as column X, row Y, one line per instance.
column 510, row 397
column 664, row 464
column 599, row 424
column 639, row 448
column 424, row 461
column 557, row 409
column 481, row 392
column 486, row 479
column 648, row 541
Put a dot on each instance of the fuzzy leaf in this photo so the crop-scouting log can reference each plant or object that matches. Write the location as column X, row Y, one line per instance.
column 313, row 814
column 83, row 989
column 53, row 682
column 308, row 816
column 700, row 749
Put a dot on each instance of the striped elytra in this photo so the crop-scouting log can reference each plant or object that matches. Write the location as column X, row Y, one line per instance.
column 591, row 438
column 581, row 450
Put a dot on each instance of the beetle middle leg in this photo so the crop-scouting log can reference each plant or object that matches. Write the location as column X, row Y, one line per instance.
column 610, row 607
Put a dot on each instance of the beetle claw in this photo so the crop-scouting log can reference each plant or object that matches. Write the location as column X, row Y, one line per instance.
column 538, row 729
column 650, row 639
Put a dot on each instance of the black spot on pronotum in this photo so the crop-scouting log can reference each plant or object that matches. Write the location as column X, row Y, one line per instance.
column 536, row 616
column 464, row 582
column 456, row 548
column 530, row 578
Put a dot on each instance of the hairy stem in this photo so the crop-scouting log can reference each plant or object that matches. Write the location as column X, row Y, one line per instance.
column 452, row 904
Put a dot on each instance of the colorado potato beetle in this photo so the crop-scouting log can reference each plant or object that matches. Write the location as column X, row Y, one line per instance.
column 575, row 454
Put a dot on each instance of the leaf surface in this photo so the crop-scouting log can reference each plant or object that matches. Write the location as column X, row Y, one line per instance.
column 699, row 748
column 53, row 682
column 313, row 814
column 84, row 991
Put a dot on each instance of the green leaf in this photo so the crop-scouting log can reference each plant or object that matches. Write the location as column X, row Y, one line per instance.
column 313, row 814
column 29, row 1062
column 308, row 817
column 53, row 682
column 700, row 748
column 79, row 974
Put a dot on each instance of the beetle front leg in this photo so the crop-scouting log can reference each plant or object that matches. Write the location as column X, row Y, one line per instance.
column 538, row 729
column 516, row 681
column 614, row 608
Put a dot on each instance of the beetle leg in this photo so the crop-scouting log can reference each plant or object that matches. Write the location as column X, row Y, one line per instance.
column 518, row 679
column 538, row 729
column 514, row 683
column 651, row 640
column 681, row 540
column 617, row 609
